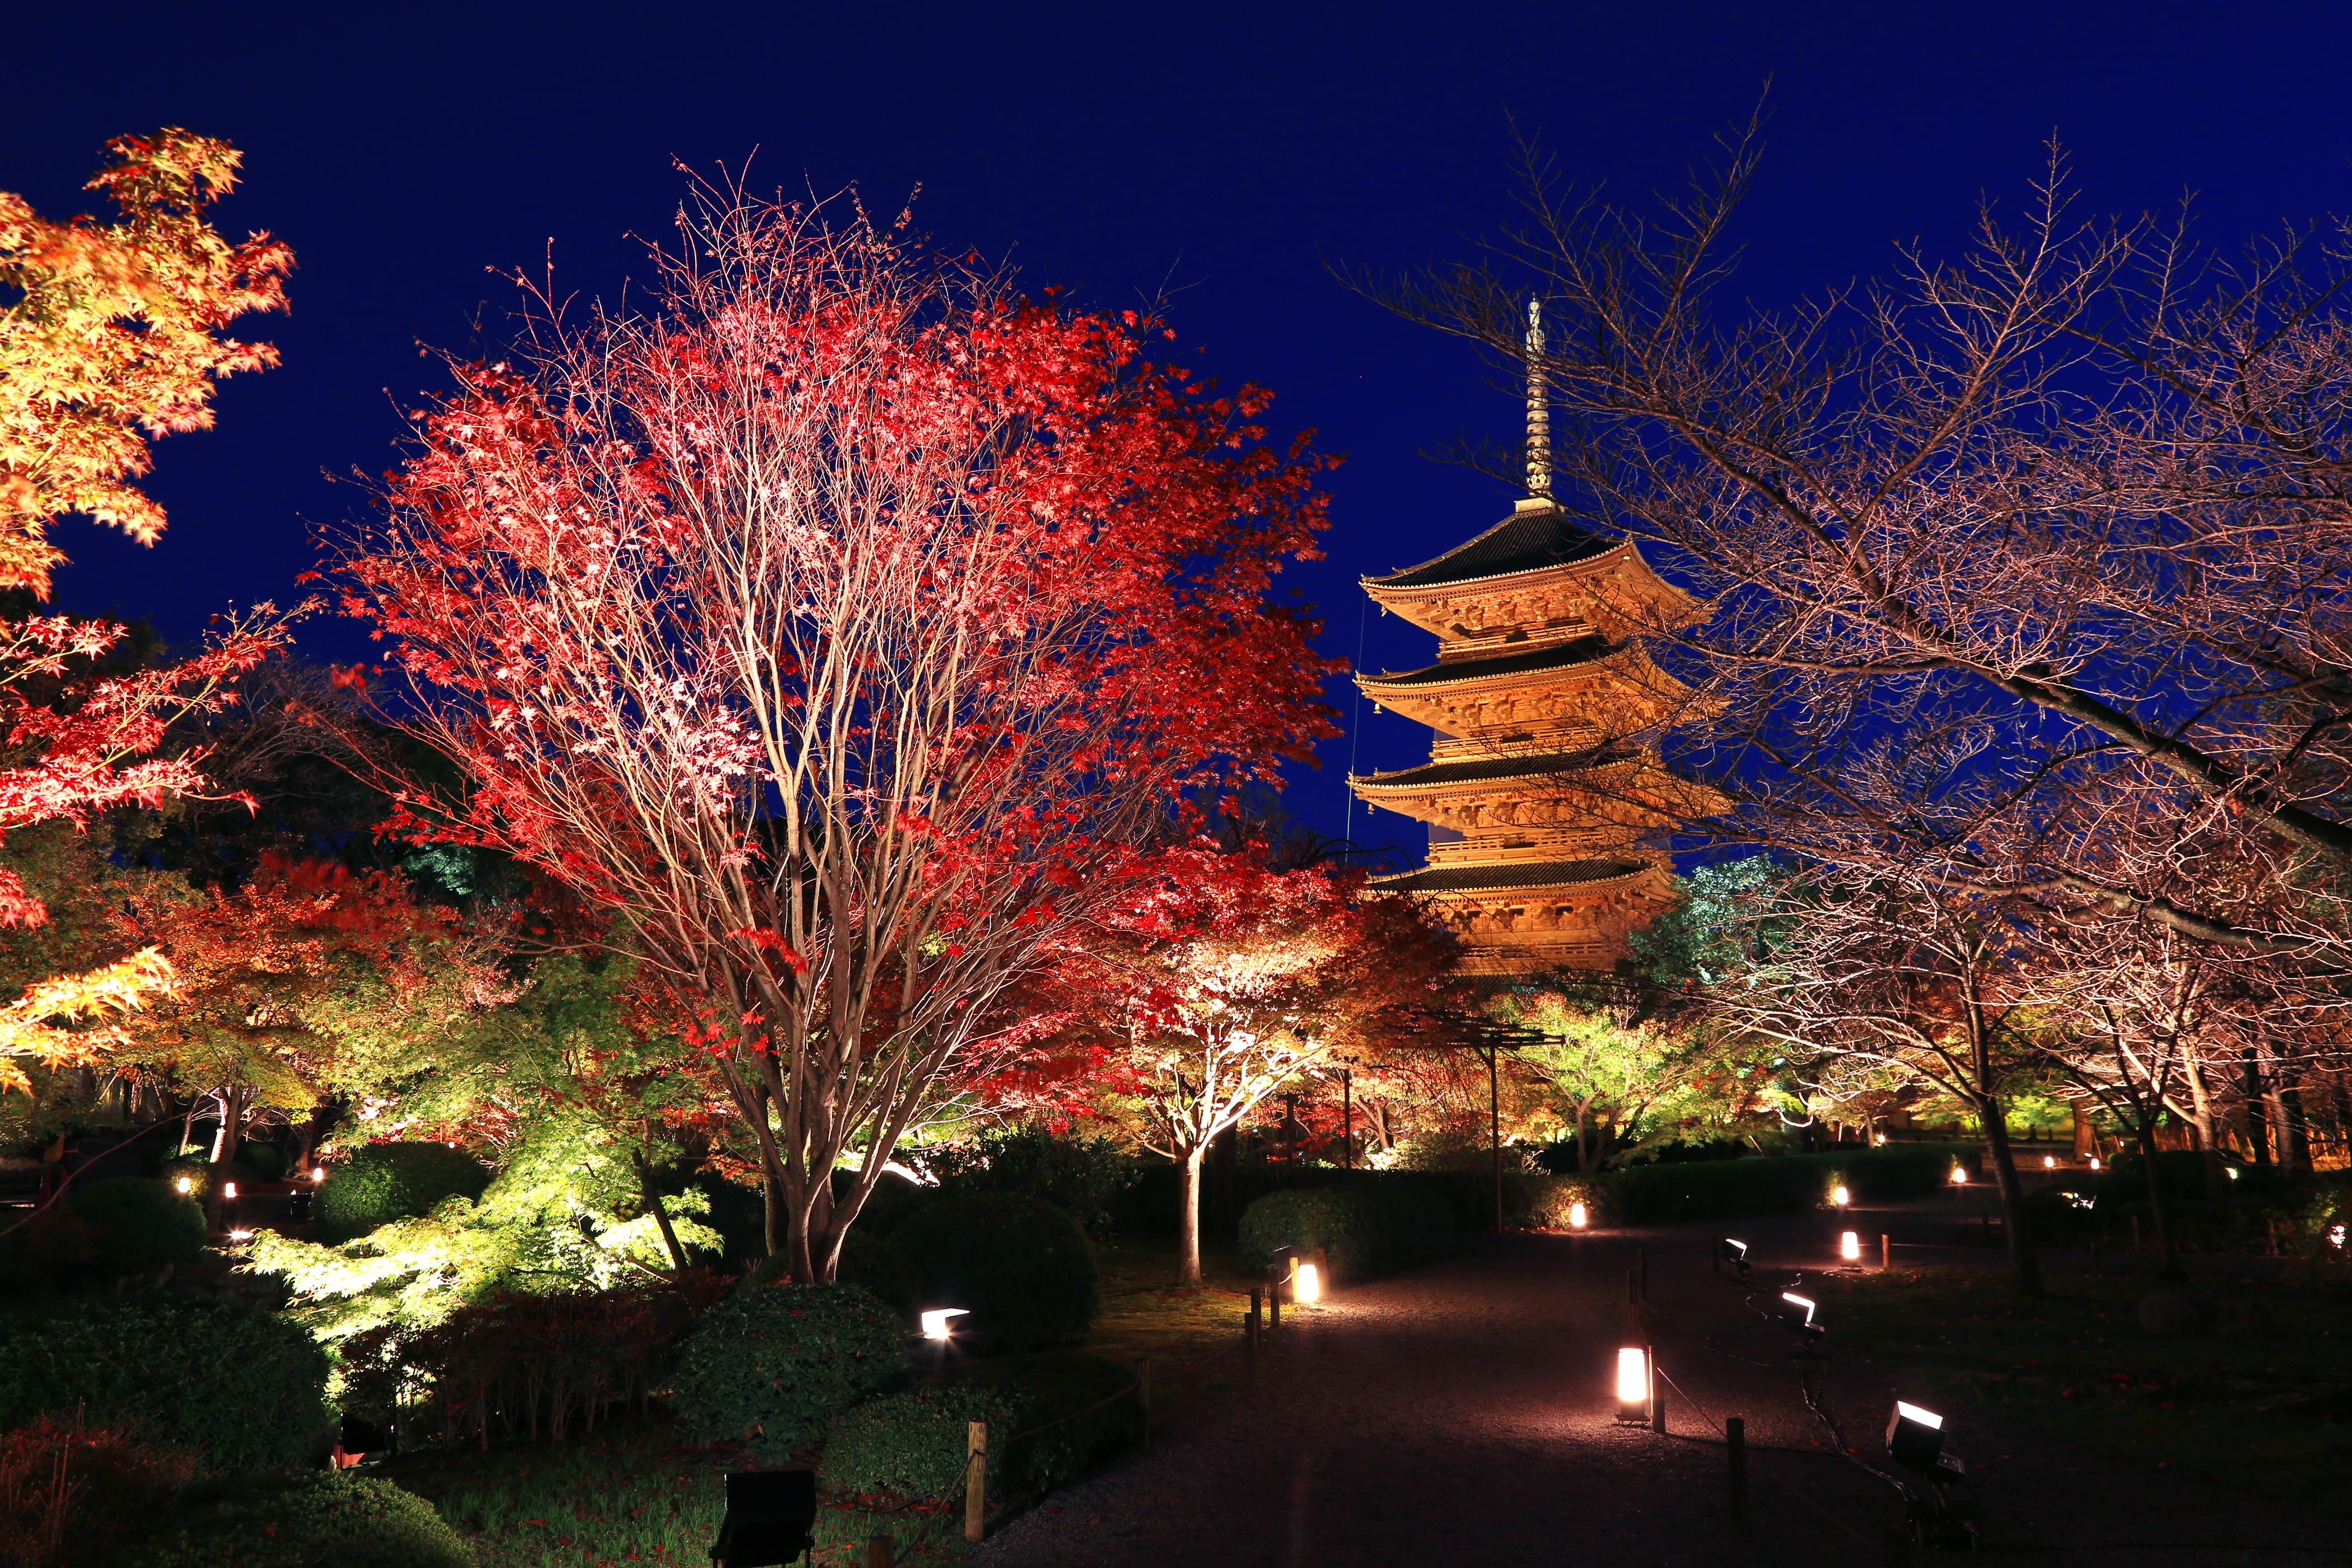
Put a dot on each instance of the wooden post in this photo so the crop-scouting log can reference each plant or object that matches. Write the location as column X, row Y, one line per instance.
column 1734, row 1451
column 881, row 1552
column 1885, row 1252
column 1143, row 1395
column 975, row 1481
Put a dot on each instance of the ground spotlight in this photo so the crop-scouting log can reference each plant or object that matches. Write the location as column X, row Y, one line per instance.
column 1736, row 1254
column 1799, row 1310
column 1959, row 1175
column 1633, row 1385
column 1840, row 1196
column 1576, row 1216
column 1850, row 1247
column 936, row 1324
column 1915, row 1437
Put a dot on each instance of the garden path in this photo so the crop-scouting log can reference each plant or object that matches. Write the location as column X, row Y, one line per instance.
column 1462, row 1413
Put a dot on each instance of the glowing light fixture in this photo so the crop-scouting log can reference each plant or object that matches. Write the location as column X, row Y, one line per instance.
column 936, row 1325
column 1633, row 1385
column 2335, row 1237
column 1791, row 1298
column 1959, row 1175
column 2095, row 1161
column 1840, row 1196
column 184, row 1186
column 229, row 1191
column 240, row 1235
column 2233, row 1171
column 1307, row 1288
column 1736, row 1254
column 317, row 1173
column 1915, row 1437
column 1850, row 1247
column 2049, row 1162
column 1576, row 1216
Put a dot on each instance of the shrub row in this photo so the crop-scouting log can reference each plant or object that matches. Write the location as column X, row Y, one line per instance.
column 384, row 1182
column 774, row 1364
column 305, row 1520
column 1364, row 1226
column 1771, row 1183
column 1050, row 1417
column 128, row 1225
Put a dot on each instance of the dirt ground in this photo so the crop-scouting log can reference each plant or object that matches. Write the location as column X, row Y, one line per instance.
column 1464, row 1414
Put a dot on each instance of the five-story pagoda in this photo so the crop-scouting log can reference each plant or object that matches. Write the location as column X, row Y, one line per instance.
column 1544, row 774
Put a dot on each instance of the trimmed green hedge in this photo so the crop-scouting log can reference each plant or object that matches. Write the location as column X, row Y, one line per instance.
column 1365, row 1225
column 775, row 1364
column 243, row 1387
column 1772, row 1184
column 385, row 1181
column 913, row 1444
column 1023, row 1270
column 305, row 1520
column 140, row 1224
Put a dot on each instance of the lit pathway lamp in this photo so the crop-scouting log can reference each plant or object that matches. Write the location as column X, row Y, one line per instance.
column 1578, row 1218
column 1633, row 1386
column 1849, row 1247
column 939, row 1328
column 1307, row 1288
column 771, row 1519
column 1841, row 1196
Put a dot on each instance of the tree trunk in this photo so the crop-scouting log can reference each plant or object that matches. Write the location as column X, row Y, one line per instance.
column 660, row 1211
column 2159, row 1207
column 2200, row 1106
column 2024, row 1266
column 1187, row 1216
column 225, row 1144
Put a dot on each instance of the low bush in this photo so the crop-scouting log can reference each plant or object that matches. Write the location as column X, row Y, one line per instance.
column 1364, row 1226
column 1023, row 1270
column 914, row 1443
column 240, row 1386
column 1081, row 1402
column 267, row 1161
column 1084, row 1178
column 774, row 1364
column 1531, row 1200
column 72, row 1493
column 305, row 1520
column 138, row 1224
column 384, row 1182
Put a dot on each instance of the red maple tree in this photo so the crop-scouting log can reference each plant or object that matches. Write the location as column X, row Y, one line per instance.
column 835, row 633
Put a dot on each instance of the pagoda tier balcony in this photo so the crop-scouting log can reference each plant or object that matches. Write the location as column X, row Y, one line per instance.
column 1584, row 686
column 1594, row 797
column 1519, row 918
column 1536, row 568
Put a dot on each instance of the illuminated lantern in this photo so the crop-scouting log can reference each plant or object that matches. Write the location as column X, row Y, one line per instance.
column 1307, row 1288
column 1840, row 1196
column 1959, row 1175
column 1850, row 1247
column 229, row 1191
column 186, row 1185
column 935, row 1321
column 2095, row 1161
column 2049, row 1162
column 1633, row 1385
column 1576, row 1216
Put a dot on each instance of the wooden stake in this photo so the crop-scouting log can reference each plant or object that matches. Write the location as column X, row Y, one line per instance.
column 1885, row 1252
column 1734, row 1451
column 1143, row 1394
column 975, row 1481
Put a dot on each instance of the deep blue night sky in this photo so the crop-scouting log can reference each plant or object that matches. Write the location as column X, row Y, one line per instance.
column 1227, row 150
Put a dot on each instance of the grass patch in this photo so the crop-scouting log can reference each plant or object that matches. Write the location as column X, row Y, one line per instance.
column 630, row 1495
column 1181, row 1327
column 2270, row 1416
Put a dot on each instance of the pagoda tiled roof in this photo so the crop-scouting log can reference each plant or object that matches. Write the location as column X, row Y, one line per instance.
column 1473, row 769
column 1555, row 656
column 1523, row 541
column 1507, row 874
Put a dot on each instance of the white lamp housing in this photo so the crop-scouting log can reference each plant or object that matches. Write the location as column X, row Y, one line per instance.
column 1849, row 1247
column 1915, row 1437
column 2049, row 1162
column 1840, row 1196
column 1307, row 1288
column 1959, row 1175
column 1576, row 1216
column 936, row 1325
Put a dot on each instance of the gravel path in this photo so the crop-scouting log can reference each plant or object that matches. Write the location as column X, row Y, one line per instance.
column 1462, row 1414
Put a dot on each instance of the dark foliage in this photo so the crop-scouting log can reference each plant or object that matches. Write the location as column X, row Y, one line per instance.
column 1364, row 1227
column 1082, row 1176
column 240, row 1386
column 1023, row 1270
column 72, row 1494
column 137, row 1224
column 311, row 1519
column 1772, row 1184
column 774, row 1364
column 384, row 1182
column 913, row 1444
column 1071, row 1410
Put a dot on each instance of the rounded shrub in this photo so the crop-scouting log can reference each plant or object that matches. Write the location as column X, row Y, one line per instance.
column 138, row 1224
column 305, row 1520
column 1363, row 1227
column 385, row 1181
column 240, row 1386
column 1023, row 1270
column 913, row 1444
column 775, row 1364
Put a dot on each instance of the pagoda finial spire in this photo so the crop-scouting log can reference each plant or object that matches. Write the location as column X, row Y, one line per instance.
column 1538, row 408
